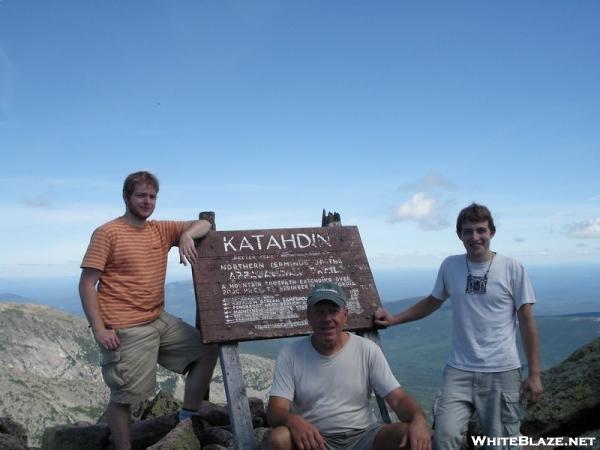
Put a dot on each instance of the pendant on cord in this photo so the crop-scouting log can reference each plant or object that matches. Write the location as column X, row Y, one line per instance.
column 477, row 284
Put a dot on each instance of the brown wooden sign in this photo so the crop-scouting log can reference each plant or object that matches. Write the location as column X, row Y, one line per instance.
column 253, row 284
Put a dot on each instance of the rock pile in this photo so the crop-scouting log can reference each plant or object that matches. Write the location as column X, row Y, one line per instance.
column 570, row 405
column 12, row 435
column 155, row 426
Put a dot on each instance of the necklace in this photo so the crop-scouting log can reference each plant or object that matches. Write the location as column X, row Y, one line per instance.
column 477, row 284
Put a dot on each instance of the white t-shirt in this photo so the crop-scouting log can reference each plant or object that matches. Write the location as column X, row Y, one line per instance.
column 484, row 324
column 333, row 392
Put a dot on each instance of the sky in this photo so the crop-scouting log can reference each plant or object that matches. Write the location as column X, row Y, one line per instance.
column 395, row 114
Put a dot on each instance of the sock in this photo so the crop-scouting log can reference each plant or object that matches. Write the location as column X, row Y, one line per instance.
column 187, row 413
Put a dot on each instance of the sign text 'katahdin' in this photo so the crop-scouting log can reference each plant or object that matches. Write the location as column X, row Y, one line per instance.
column 258, row 242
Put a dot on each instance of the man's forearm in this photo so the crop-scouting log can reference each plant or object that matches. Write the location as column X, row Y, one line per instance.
column 408, row 410
column 106, row 338
column 532, row 387
column 89, row 302
column 198, row 228
column 403, row 405
column 92, row 311
column 419, row 310
column 278, row 417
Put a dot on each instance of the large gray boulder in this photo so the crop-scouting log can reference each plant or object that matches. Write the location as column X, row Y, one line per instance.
column 161, row 405
column 258, row 413
column 570, row 405
column 10, row 442
column 181, row 437
column 12, row 434
column 149, row 432
column 216, row 415
column 217, row 435
column 79, row 436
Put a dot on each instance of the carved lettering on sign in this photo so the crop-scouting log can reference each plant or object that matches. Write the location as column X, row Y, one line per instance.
column 262, row 242
column 253, row 284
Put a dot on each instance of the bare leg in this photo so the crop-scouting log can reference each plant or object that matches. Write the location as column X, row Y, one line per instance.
column 118, row 421
column 280, row 438
column 197, row 381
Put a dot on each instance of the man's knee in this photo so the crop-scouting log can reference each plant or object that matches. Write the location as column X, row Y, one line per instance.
column 451, row 419
column 211, row 355
column 447, row 436
column 390, row 436
column 207, row 360
column 279, row 438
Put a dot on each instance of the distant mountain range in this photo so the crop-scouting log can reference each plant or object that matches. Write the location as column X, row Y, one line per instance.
column 8, row 297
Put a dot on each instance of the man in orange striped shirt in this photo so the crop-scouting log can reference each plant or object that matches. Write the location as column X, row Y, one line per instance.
column 122, row 294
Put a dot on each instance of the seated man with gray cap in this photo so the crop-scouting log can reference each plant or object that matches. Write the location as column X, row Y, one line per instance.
column 322, row 384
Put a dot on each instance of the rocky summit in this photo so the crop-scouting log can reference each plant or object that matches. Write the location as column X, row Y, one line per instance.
column 52, row 393
column 50, row 371
column 570, row 405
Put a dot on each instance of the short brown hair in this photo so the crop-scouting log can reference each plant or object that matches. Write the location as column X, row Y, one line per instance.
column 133, row 179
column 475, row 213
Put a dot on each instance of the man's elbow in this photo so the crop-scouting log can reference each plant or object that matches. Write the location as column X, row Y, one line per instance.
column 88, row 279
column 275, row 418
column 431, row 304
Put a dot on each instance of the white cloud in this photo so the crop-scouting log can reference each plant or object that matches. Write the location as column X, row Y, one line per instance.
column 423, row 208
column 587, row 229
column 430, row 203
column 419, row 207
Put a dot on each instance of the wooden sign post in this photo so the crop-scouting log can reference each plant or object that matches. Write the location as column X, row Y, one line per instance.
column 252, row 284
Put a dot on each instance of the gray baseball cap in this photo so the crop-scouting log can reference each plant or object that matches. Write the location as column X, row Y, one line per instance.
column 326, row 291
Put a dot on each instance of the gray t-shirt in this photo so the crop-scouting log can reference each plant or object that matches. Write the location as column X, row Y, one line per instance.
column 484, row 324
column 333, row 392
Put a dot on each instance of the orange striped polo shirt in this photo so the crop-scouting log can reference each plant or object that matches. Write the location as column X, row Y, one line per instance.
column 133, row 262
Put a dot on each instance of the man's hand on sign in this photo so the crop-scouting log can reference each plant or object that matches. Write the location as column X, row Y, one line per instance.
column 187, row 249
column 195, row 229
column 383, row 318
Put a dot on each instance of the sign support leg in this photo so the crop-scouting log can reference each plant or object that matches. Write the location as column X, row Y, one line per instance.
column 237, row 402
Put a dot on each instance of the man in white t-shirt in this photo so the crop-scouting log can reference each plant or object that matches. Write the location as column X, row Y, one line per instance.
column 322, row 385
column 491, row 295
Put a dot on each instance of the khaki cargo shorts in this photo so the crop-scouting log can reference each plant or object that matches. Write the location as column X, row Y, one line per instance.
column 130, row 370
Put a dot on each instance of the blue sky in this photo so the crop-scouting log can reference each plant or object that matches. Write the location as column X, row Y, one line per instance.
column 396, row 114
